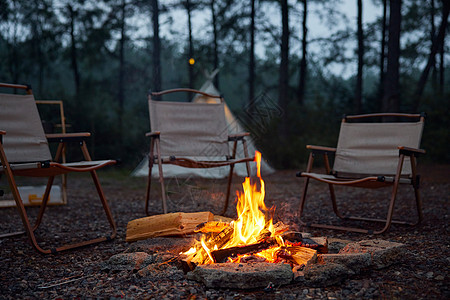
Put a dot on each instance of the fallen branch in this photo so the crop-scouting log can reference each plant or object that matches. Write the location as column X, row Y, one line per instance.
column 64, row 281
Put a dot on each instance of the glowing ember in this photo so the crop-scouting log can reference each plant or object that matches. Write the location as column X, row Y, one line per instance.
column 253, row 236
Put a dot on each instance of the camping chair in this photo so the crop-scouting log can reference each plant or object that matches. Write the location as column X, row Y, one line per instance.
column 24, row 151
column 370, row 155
column 191, row 135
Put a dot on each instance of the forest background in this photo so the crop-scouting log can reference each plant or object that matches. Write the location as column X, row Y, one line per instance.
column 101, row 57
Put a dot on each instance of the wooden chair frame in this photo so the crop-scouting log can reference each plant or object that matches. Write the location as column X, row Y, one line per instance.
column 51, row 169
column 365, row 182
column 155, row 156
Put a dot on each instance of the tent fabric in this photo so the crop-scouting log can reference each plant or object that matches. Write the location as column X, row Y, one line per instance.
column 233, row 127
column 25, row 139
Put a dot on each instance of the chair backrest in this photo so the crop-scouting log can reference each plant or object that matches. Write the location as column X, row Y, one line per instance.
column 190, row 129
column 372, row 148
column 25, row 140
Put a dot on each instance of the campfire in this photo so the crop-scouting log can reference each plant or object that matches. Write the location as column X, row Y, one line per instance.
column 252, row 237
column 252, row 251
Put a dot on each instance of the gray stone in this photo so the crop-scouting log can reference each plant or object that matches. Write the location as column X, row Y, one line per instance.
column 439, row 278
column 335, row 245
column 383, row 253
column 242, row 276
column 125, row 261
column 321, row 275
column 299, row 276
column 353, row 261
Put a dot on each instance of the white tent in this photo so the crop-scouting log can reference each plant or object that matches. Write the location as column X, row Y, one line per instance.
column 233, row 127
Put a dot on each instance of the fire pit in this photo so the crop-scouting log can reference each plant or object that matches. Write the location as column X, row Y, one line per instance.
column 253, row 252
column 252, row 237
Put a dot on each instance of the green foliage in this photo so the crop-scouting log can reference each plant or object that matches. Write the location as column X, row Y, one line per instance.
column 436, row 135
column 36, row 48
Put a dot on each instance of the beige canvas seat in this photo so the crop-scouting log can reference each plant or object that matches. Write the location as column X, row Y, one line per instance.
column 370, row 155
column 191, row 135
column 24, row 151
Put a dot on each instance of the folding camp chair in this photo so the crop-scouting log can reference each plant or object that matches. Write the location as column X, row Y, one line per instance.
column 370, row 155
column 191, row 135
column 24, row 151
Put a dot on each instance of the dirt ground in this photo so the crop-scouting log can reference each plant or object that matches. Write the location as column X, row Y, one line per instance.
column 422, row 274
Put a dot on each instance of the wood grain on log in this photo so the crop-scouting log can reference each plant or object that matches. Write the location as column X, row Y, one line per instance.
column 166, row 225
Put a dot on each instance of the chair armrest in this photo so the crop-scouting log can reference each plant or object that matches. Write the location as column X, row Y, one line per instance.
column 410, row 151
column 237, row 136
column 321, row 149
column 2, row 132
column 67, row 137
column 153, row 133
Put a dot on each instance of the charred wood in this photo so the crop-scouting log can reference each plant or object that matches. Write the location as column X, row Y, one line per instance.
column 222, row 255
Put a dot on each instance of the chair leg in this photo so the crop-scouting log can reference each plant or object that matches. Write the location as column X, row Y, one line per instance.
column 334, row 202
column 247, row 164
column 387, row 222
column 104, row 202
column 230, row 175
column 44, row 203
column 418, row 205
column 416, row 185
column 331, row 187
column 149, row 179
column 161, row 177
column 302, row 201
column 393, row 196
column 305, row 189
column 227, row 197
column 20, row 207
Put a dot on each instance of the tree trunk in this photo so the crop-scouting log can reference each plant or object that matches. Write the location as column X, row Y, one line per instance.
column 359, row 77
column 382, row 55
column 284, row 76
column 121, row 94
column 156, row 47
column 215, row 43
column 432, row 35
column 441, row 68
column 441, row 64
column 73, row 53
column 303, row 64
column 391, row 98
column 251, row 64
column 436, row 45
column 191, row 46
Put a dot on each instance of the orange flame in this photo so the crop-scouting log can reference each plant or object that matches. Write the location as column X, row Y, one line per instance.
column 252, row 222
column 251, row 211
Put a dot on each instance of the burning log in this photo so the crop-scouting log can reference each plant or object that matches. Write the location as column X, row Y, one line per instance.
column 200, row 254
column 303, row 255
column 223, row 254
column 318, row 243
column 165, row 225
column 222, row 238
column 296, row 239
column 212, row 226
column 280, row 228
column 292, row 236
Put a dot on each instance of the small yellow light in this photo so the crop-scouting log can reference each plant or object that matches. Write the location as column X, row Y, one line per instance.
column 191, row 61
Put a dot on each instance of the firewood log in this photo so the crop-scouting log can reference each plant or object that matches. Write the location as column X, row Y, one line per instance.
column 318, row 243
column 303, row 255
column 221, row 255
column 212, row 226
column 219, row 239
column 166, row 225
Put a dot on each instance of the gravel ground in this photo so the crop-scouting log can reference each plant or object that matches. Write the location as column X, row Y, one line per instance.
column 26, row 274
